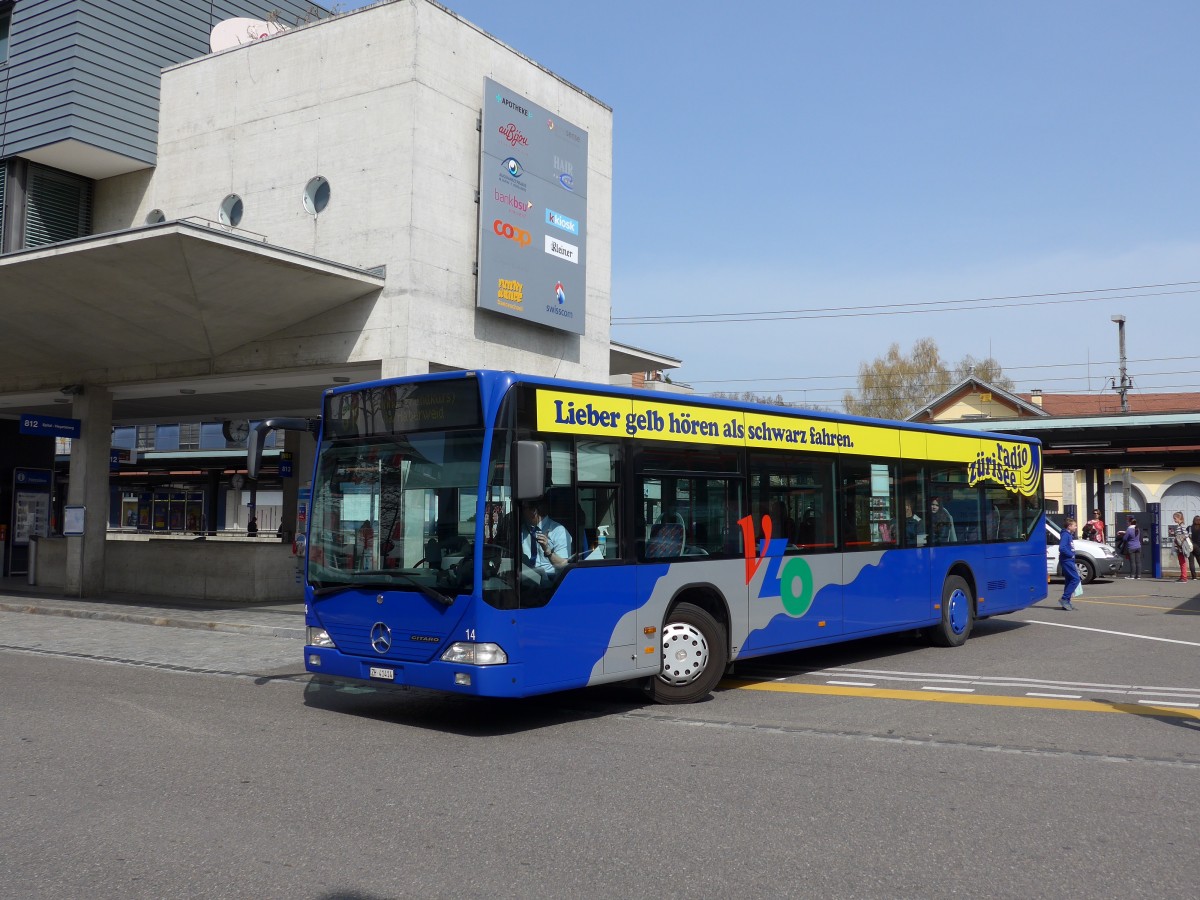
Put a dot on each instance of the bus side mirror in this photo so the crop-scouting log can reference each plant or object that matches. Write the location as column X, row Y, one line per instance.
column 531, row 470
column 258, row 438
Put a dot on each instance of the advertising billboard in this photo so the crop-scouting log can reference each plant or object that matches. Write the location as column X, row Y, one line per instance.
column 532, row 212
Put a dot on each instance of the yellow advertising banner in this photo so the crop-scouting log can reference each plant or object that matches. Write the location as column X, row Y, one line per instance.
column 1014, row 464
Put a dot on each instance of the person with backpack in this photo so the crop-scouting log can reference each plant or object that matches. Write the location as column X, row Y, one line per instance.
column 1133, row 548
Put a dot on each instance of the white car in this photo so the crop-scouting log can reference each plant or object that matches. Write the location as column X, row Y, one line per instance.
column 1091, row 558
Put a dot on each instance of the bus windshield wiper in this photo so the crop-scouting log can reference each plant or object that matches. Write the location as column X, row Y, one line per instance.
column 433, row 594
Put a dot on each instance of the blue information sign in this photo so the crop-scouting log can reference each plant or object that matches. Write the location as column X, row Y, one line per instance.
column 50, row 426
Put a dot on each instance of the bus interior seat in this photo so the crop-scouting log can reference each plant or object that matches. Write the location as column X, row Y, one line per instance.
column 666, row 540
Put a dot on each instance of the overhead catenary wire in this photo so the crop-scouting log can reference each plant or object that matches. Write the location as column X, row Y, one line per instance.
column 916, row 307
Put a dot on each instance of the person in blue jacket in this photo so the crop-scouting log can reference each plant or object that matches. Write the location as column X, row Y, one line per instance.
column 1066, row 559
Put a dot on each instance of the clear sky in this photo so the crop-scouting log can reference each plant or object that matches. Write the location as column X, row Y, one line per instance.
column 846, row 164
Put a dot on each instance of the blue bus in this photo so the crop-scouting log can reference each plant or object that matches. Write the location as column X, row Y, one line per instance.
column 502, row 535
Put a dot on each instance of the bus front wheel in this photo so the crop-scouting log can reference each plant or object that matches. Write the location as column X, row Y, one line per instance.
column 694, row 655
column 958, row 614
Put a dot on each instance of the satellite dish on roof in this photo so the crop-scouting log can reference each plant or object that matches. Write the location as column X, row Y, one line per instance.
column 235, row 32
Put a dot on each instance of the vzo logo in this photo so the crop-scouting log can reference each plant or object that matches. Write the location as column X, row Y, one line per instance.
column 787, row 577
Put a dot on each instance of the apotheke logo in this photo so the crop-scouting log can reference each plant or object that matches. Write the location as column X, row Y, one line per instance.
column 566, row 223
column 516, row 107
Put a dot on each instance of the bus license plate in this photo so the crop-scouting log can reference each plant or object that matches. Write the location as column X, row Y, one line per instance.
column 385, row 674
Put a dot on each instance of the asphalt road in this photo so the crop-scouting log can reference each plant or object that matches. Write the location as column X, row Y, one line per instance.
column 1055, row 755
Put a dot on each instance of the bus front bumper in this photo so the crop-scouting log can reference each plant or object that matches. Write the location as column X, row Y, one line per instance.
column 458, row 678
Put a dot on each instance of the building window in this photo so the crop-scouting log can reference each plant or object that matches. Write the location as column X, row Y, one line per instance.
column 189, row 436
column 58, row 207
column 145, row 437
column 231, row 210
column 316, row 195
column 5, row 25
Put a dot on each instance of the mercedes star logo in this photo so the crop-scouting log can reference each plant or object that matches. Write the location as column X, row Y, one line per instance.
column 381, row 637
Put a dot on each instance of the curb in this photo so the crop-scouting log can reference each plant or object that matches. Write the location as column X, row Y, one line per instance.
column 163, row 619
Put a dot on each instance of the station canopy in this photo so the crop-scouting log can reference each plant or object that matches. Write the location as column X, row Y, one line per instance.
column 167, row 293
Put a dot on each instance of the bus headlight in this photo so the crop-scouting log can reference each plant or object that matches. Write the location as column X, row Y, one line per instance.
column 484, row 654
column 319, row 637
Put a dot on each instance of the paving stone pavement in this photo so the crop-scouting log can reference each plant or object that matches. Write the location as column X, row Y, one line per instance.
column 251, row 640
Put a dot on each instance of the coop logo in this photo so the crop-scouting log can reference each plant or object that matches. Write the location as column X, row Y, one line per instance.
column 566, row 223
column 513, row 135
column 562, row 250
column 515, row 107
column 506, row 230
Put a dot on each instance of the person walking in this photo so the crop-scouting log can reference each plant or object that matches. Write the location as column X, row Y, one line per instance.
column 1183, row 545
column 1066, row 561
column 1194, row 537
column 1133, row 547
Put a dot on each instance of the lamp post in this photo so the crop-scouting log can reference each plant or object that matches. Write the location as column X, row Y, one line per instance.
column 1123, row 389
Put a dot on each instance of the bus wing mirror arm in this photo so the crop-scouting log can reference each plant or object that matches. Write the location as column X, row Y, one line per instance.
column 531, row 470
column 258, row 439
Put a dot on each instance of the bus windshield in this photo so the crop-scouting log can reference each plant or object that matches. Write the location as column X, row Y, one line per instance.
column 395, row 511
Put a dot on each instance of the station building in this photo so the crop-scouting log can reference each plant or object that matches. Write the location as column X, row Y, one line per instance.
column 211, row 237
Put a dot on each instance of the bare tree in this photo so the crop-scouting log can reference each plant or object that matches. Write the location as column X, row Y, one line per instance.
column 988, row 370
column 751, row 397
column 895, row 385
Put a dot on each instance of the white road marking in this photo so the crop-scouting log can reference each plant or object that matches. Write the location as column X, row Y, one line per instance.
column 1169, row 703
column 853, row 683
column 1054, row 696
column 938, row 687
column 1144, row 637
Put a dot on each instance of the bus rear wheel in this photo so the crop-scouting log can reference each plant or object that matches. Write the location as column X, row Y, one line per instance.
column 958, row 614
column 694, row 655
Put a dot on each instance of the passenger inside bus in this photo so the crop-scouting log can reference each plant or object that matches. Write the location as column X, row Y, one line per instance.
column 941, row 523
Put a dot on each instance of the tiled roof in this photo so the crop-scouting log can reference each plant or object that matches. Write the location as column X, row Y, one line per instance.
column 1108, row 402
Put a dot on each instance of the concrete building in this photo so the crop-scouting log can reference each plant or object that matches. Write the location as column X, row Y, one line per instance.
column 224, row 241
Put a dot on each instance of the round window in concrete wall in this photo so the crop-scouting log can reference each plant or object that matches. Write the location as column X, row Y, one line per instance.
column 231, row 210
column 155, row 217
column 316, row 195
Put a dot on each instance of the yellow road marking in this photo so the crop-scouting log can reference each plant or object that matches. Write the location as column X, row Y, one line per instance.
column 1101, row 706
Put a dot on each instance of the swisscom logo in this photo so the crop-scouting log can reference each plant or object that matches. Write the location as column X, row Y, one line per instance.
column 566, row 223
